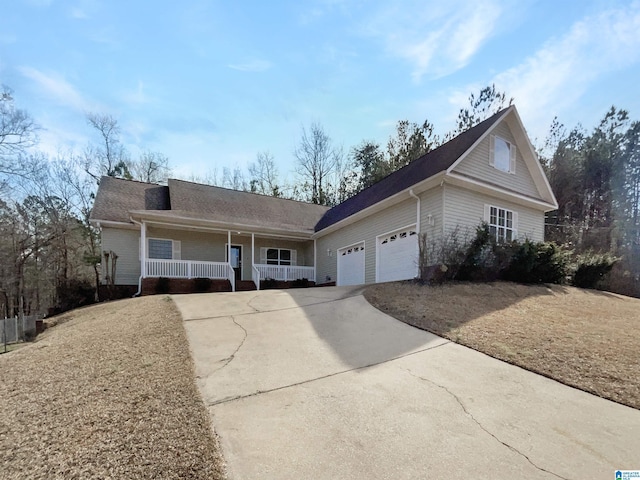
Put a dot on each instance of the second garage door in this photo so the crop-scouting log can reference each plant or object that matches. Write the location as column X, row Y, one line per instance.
column 351, row 265
column 397, row 255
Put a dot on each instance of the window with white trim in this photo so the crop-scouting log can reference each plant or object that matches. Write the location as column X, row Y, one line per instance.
column 502, row 223
column 163, row 249
column 502, row 154
column 277, row 256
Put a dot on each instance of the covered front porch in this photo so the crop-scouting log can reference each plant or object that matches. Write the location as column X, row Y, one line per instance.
column 241, row 258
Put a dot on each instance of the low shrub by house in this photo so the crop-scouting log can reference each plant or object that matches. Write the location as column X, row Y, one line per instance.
column 202, row 284
column 162, row 285
column 591, row 268
column 481, row 258
column 542, row 262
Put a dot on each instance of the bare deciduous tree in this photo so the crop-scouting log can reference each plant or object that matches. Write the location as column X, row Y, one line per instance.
column 264, row 175
column 233, row 179
column 151, row 167
column 17, row 128
column 316, row 162
column 109, row 157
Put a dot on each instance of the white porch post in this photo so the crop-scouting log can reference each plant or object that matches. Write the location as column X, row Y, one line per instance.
column 315, row 261
column 253, row 253
column 143, row 250
column 229, row 246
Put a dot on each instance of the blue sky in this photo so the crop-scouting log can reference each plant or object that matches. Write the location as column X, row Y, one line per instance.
column 212, row 83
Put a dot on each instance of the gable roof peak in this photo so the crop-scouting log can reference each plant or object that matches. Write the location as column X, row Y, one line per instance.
column 430, row 164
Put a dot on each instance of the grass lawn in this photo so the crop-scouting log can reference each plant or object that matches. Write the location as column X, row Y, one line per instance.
column 584, row 338
column 109, row 392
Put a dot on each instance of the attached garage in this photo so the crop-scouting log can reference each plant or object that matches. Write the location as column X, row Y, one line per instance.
column 351, row 265
column 397, row 255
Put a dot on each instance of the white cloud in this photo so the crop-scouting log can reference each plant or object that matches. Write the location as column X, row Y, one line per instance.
column 558, row 74
column 55, row 138
column 436, row 40
column 58, row 88
column 252, row 66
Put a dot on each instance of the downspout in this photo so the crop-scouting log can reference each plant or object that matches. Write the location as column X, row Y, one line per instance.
column 142, row 253
column 420, row 261
column 418, row 210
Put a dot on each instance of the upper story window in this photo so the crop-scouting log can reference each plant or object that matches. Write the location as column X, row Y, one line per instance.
column 502, row 154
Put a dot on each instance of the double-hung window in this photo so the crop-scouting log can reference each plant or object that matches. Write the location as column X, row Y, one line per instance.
column 502, row 223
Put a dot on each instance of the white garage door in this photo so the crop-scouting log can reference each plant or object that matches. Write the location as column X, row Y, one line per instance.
column 398, row 255
column 351, row 265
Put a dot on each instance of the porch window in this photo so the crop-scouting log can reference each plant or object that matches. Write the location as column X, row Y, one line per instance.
column 164, row 249
column 278, row 256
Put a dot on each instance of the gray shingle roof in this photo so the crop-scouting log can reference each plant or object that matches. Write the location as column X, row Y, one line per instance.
column 420, row 169
column 232, row 206
column 116, row 197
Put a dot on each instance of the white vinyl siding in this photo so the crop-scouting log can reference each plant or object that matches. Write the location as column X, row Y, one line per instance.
column 465, row 209
column 366, row 229
column 477, row 165
column 125, row 244
column 431, row 212
column 202, row 246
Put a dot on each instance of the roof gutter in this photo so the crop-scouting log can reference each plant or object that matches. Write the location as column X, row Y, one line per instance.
column 422, row 185
column 217, row 226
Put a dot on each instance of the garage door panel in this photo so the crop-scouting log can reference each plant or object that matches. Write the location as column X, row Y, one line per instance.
column 351, row 265
column 398, row 256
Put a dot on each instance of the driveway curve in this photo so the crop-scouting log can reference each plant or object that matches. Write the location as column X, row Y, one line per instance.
column 317, row 384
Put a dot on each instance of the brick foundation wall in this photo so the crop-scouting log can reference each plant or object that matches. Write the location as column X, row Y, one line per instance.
column 153, row 286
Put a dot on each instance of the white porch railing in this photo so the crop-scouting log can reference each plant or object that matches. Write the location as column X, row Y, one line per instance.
column 187, row 269
column 255, row 276
column 224, row 271
column 231, row 275
column 285, row 272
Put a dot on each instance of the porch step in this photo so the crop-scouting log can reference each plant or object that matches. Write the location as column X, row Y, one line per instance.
column 245, row 285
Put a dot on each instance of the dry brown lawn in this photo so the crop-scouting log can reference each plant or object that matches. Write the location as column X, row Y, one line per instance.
column 584, row 338
column 107, row 393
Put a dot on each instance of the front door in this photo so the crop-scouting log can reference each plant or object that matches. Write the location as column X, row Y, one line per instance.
column 236, row 260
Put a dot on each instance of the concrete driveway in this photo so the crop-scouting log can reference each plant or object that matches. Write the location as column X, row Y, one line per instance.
column 317, row 384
